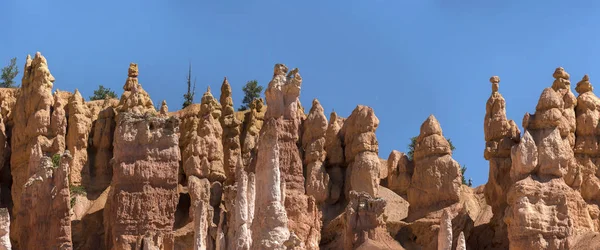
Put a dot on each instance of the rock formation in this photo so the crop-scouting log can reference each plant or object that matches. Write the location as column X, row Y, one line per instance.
column 276, row 178
column 4, row 229
column 164, row 109
column 461, row 244
column 77, row 136
column 400, row 171
column 252, row 125
column 313, row 143
column 39, row 129
column 543, row 210
column 335, row 156
column 586, row 148
column 445, row 232
column 134, row 98
column 143, row 192
column 501, row 135
column 436, row 179
column 361, row 149
column 270, row 226
column 364, row 226
column 282, row 99
column 45, row 203
column 231, row 133
column 100, row 150
column 202, row 148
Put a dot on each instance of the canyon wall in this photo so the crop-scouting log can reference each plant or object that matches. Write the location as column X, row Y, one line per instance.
column 124, row 174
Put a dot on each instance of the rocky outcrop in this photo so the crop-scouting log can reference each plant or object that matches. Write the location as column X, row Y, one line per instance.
column 282, row 99
column 445, row 232
column 100, row 150
column 461, row 244
column 134, row 98
column 364, row 226
column 335, row 156
column 202, row 149
column 361, row 149
column 201, row 211
column 270, row 227
column 39, row 129
column 77, row 136
column 231, row 133
column 251, row 128
column 46, row 203
column 4, row 229
column 555, row 109
column 587, row 152
column 501, row 134
column 143, row 193
column 313, row 144
column 240, row 204
column 436, row 179
column 542, row 215
column 400, row 171
column 544, row 208
column 164, row 109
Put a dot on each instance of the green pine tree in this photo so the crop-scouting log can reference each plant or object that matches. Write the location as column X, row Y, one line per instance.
column 251, row 91
column 8, row 74
column 103, row 93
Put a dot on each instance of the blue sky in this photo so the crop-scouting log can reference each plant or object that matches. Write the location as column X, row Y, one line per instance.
column 406, row 59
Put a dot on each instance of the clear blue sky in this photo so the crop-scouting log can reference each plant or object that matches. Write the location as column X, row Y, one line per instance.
column 406, row 59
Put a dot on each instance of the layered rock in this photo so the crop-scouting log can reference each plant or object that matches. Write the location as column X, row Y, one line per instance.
column 164, row 109
column 313, row 143
column 445, row 232
column 143, row 193
column 134, row 98
column 335, row 156
column 251, row 128
column 587, row 152
column 555, row 109
column 201, row 211
column 100, row 150
column 77, row 136
column 543, row 210
column 543, row 214
column 361, row 151
column 270, row 226
column 231, row 133
column 501, row 134
column 4, row 229
column 46, row 203
column 202, row 149
column 240, row 204
column 461, row 244
column 364, row 225
column 282, row 99
column 39, row 129
column 436, row 179
column 400, row 171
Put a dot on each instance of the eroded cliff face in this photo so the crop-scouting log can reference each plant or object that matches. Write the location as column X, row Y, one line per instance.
column 119, row 174
column 143, row 193
column 38, row 134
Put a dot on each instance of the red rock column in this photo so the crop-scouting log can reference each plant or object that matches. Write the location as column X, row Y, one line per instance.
column 143, row 196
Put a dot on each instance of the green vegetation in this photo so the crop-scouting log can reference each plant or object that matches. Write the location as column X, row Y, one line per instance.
column 251, row 91
column 75, row 191
column 102, row 93
column 9, row 73
column 56, row 160
column 188, row 97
